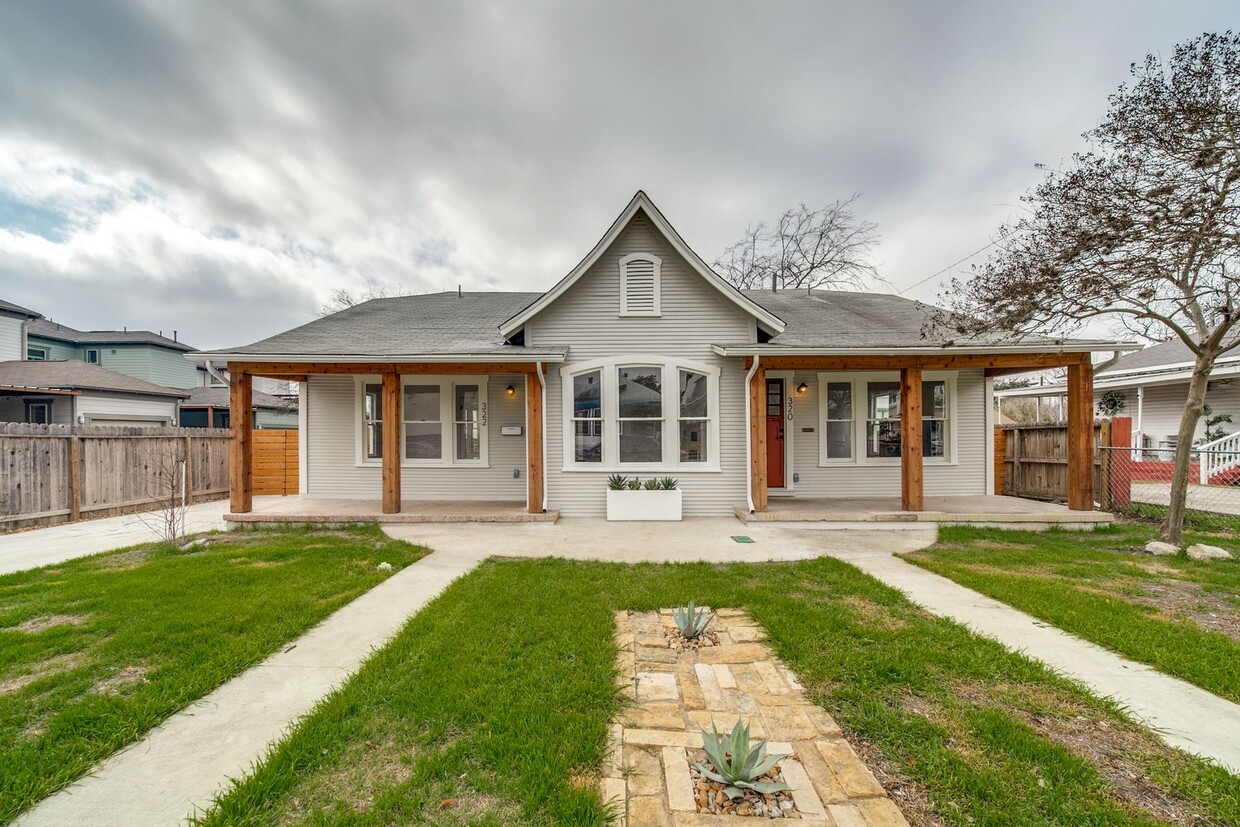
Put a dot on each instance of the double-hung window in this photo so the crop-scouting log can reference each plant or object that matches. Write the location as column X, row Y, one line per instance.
column 860, row 416
column 372, row 420
column 644, row 413
column 639, row 399
column 423, row 422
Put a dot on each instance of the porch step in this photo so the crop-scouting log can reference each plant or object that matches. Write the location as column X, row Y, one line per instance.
column 347, row 517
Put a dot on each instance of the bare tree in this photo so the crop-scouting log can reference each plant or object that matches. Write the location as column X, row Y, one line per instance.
column 828, row 247
column 1144, row 227
column 342, row 299
column 165, row 472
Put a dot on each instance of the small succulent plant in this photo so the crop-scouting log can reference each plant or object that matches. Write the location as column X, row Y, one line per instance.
column 617, row 482
column 691, row 622
column 651, row 484
column 668, row 484
column 634, row 484
column 737, row 764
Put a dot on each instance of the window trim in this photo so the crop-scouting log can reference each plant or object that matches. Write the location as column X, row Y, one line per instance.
column 447, row 400
column 36, row 349
column 98, row 356
column 859, row 380
column 45, row 404
column 609, row 394
column 624, row 285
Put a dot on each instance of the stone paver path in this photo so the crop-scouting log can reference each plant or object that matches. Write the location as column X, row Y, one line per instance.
column 1182, row 715
column 675, row 695
column 181, row 765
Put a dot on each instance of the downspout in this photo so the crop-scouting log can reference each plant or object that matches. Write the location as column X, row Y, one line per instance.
column 542, row 382
column 214, row 372
column 749, row 434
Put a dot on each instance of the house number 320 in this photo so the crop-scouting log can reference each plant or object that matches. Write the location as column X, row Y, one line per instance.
column 788, row 405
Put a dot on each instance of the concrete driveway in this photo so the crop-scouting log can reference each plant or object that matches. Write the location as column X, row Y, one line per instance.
column 44, row 546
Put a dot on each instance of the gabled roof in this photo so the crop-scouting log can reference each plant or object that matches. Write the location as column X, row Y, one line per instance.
column 843, row 321
column 73, row 375
column 219, row 398
column 17, row 310
column 47, row 329
column 440, row 326
column 766, row 319
column 1170, row 354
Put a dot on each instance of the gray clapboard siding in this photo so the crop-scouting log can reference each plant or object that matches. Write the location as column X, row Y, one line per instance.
column 126, row 407
column 967, row 476
column 1163, row 407
column 11, row 339
column 331, row 461
column 694, row 316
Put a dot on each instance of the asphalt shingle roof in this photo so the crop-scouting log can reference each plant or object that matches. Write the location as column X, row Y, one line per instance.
column 63, row 333
column 1164, row 355
column 434, row 324
column 9, row 307
column 70, row 374
column 219, row 398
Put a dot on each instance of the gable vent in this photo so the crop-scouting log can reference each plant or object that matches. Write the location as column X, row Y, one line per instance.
column 639, row 285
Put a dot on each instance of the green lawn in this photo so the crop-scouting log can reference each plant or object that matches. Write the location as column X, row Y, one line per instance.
column 1178, row 615
column 491, row 708
column 95, row 652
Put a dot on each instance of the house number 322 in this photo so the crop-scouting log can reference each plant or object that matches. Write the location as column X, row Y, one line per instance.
column 482, row 413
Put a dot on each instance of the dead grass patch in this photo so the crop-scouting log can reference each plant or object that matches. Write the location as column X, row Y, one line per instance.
column 1184, row 600
column 118, row 682
column 42, row 623
column 125, row 560
column 911, row 797
column 45, row 668
column 352, row 783
column 874, row 614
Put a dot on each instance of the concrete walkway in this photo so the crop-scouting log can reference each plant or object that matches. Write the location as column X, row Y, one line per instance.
column 44, row 546
column 1183, row 715
column 181, row 766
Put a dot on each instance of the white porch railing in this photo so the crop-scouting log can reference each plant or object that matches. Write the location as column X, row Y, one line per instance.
column 1218, row 456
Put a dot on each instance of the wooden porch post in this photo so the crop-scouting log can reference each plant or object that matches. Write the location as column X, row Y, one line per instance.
column 391, row 443
column 757, row 439
column 533, row 444
column 910, row 440
column 240, row 403
column 1081, row 437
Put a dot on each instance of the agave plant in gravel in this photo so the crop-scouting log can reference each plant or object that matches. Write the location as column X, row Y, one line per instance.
column 691, row 621
column 737, row 764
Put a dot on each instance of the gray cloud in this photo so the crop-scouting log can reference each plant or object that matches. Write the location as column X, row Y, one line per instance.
column 219, row 168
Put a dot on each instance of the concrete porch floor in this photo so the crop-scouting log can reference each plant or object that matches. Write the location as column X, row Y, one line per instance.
column 1002, row 512
column 295, row 509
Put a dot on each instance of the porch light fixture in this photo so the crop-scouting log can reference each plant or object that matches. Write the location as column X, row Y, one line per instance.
column 802, row 388
column 510, row 390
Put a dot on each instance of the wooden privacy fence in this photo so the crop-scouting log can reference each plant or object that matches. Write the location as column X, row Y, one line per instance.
column 61, row 473
column 275, row 462
column 1032, row 460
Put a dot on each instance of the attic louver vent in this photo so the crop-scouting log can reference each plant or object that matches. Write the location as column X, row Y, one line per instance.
column 639, row 285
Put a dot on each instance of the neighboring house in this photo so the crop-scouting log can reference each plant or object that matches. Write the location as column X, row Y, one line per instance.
column 65, row 392
column 644, row 361
column 1153, row 384
column 208, row 408
column 14, row 319
column 137, row 353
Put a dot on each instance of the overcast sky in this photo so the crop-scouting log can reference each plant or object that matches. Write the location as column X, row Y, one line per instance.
column 218, row 168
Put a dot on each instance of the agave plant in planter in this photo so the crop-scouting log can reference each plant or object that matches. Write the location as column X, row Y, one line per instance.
column 737, row 764
column 631, row 498
column 691, row 623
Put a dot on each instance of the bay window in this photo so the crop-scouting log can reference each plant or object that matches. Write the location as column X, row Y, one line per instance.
column 849, row 438
column 443, row 421
column 646, row 413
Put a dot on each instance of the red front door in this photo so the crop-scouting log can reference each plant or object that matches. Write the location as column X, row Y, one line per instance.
column 775, row 433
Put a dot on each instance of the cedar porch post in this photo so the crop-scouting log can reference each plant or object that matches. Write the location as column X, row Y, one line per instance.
column 391, row 418
column 533, row 443
column 1081, row 437
column 757, row 439
column 240, row 403
column 910, row 440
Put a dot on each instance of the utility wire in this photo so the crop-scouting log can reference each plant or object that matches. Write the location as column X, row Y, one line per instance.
column 948, row 267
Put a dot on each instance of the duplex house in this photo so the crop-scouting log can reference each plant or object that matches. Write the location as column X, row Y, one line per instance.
column 643, row 361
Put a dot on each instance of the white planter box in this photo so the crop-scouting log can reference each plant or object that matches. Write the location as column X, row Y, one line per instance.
column 643, row 505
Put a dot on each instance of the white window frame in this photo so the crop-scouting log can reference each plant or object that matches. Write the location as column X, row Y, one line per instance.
column 36, row 349
column 859, row 381
column 98, row 356
column 624, row 284
column 609, row 394
column 447, row 424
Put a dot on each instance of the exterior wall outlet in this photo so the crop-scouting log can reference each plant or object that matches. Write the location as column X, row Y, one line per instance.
column 516, row 473
column 796, row 476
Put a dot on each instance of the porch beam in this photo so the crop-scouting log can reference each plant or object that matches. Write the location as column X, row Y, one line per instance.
column 533, row 444
column 960, row 361
column 1081, row 437
column 241, row 471
column 757, row 439
column 391, row 443
column 287, row 370
column 911, row 497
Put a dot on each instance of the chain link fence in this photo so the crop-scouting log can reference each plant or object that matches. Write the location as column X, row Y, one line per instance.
column 1136, row 482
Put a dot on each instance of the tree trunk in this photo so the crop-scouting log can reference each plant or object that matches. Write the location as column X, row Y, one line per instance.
column 1173, row 526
